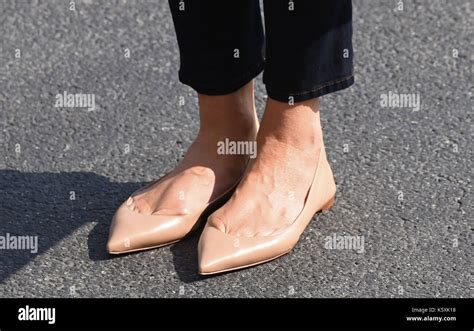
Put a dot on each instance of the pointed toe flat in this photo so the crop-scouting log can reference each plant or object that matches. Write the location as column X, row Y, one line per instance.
column 132, row 231
column 221, row 252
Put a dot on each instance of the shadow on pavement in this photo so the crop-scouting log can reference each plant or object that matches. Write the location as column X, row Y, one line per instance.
column 185, row 257
column 54, row 205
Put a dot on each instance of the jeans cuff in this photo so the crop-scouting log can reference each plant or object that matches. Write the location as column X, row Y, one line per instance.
column 220, row 88
column 316, row 92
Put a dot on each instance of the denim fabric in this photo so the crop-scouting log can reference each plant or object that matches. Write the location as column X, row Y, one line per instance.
column 306, row 51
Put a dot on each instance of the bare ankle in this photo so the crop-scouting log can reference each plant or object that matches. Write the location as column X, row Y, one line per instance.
column 297, row 125
column 232, row 115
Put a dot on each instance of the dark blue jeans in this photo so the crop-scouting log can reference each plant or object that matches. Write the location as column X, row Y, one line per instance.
column 306, row 50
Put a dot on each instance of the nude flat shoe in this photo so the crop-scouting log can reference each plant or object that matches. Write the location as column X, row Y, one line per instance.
column 220, row 252
column 132, row 231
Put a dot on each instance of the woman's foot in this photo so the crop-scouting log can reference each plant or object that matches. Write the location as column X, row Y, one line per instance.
column 273, row 190
column 204, row 174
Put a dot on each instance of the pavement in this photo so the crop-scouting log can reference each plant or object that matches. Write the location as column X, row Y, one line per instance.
column 404, row 175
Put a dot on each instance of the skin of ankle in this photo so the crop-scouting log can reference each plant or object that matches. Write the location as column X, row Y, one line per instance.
column 229, row 116
column 296, row 125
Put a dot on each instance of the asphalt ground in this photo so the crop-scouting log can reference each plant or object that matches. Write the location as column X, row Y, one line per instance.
column 404, row 176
